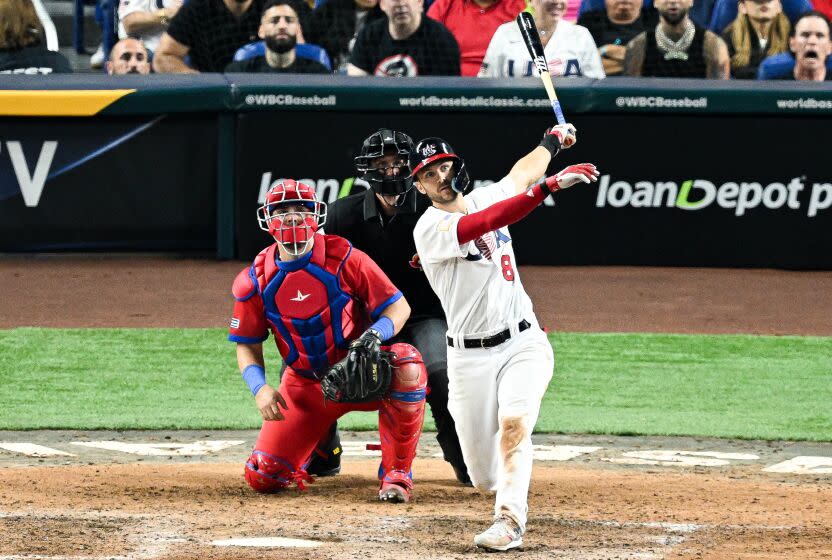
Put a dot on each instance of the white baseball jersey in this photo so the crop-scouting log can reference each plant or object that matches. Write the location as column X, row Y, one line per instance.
column 477, row 282
column 570, row 52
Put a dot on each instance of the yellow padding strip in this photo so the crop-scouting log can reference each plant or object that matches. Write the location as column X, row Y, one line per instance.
column 58, row 103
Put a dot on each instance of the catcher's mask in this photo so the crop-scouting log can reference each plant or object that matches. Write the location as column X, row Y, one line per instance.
column 387, row 178
column 431, row 150
column 294, row 229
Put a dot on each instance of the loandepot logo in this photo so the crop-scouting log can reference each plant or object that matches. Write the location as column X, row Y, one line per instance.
column 696, row 194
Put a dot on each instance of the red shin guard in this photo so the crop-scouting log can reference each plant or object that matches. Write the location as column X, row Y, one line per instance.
column 402, row 411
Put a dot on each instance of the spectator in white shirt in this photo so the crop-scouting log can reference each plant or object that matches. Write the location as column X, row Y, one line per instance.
column 146, row 19
column 569, row 48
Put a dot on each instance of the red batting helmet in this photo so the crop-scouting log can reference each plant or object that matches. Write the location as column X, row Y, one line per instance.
column 294, row 230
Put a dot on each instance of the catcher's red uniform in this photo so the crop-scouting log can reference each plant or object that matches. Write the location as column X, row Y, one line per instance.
column 315, row 306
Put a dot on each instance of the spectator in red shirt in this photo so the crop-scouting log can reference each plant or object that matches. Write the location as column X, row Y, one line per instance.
column 824, row 7
column 473, row 23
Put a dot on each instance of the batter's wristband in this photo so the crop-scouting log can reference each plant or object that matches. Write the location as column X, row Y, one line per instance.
column 385, row 328
column 551, row 142
column 255, row 377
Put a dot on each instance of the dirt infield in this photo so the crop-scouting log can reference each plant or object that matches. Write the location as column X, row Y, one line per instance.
column 102, row 507
column 172, row 511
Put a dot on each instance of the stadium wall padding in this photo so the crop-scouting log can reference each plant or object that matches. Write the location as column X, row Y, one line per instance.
column 694, row 173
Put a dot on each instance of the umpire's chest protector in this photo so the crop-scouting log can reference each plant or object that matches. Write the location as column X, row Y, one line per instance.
column 310, row 310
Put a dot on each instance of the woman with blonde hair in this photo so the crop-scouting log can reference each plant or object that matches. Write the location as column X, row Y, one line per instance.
column 22, row 44
column 760, row 30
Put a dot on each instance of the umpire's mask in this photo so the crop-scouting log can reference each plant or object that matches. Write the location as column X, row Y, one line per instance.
column 384, row 163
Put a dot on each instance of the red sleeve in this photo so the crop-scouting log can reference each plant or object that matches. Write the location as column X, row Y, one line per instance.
column 438, row 11
column 500, row 214
column 248, row 323
column 367, row 282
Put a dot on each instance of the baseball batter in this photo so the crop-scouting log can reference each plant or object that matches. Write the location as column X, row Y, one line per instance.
column 329, row 307
column 499, row 360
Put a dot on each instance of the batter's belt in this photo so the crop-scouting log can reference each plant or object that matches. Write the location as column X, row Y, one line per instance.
column 490, row 341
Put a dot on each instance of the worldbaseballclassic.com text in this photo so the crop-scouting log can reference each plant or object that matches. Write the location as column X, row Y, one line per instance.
column 697, row 194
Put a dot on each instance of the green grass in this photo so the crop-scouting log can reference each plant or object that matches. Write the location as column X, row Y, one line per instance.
column 724, row 386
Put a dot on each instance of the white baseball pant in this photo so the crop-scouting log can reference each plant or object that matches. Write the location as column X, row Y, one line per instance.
column 494, row 396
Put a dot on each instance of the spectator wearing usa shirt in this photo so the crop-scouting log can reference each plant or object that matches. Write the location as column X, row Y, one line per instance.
column 473, row 23
column 569, row 48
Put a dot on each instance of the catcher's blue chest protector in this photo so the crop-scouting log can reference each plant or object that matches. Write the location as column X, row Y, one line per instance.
column 310, row 311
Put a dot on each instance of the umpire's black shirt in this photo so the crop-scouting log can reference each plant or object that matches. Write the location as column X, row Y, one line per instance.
column 389, row 242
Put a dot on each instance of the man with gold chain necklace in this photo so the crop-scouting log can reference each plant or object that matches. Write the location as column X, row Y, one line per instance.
column 677, row 47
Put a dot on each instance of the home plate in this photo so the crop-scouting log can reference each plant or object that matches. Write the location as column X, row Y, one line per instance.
column 268, row 542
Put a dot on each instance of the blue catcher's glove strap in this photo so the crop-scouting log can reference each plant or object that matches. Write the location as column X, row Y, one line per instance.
column 384, row 327
column 255, row 376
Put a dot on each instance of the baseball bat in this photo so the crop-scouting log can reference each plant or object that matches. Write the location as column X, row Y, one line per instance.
column 531, row 37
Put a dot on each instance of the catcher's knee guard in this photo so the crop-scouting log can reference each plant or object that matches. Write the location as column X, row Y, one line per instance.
column 267, row 474
column 402, row 409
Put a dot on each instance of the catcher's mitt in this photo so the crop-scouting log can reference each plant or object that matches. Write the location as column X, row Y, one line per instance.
column 364, row 375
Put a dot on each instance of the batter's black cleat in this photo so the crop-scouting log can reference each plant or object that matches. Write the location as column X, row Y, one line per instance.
column 326, row 458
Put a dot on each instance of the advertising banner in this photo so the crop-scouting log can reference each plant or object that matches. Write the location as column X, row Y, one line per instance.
column 120, row 183
column 675, row 190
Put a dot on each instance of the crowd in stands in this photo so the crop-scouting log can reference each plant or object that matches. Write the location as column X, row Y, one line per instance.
column 718, row 39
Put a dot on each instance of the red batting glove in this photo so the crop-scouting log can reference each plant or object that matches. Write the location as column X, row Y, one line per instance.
column 572, row 175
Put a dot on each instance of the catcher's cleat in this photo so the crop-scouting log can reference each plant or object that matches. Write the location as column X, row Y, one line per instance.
column 396, row 487
column 504, row 534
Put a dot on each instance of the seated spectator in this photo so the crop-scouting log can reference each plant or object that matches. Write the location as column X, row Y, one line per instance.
column 335, row 26
column 128, row 56
column 726, row 11
column 473, row 23
column 209, row 32
column 23, row 44
column 279, row 28
column 810, row 44
column 759, row 31
column 614, row 26
column 146, row 19
column 569, row 48
column 405, row 44
column 677, row 47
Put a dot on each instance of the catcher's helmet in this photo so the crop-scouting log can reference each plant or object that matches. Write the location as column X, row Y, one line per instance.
column 430, row 150
column 294, row 230
column 392, row 180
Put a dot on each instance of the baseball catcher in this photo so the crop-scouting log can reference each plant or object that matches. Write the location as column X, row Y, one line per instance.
column 330, row 309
